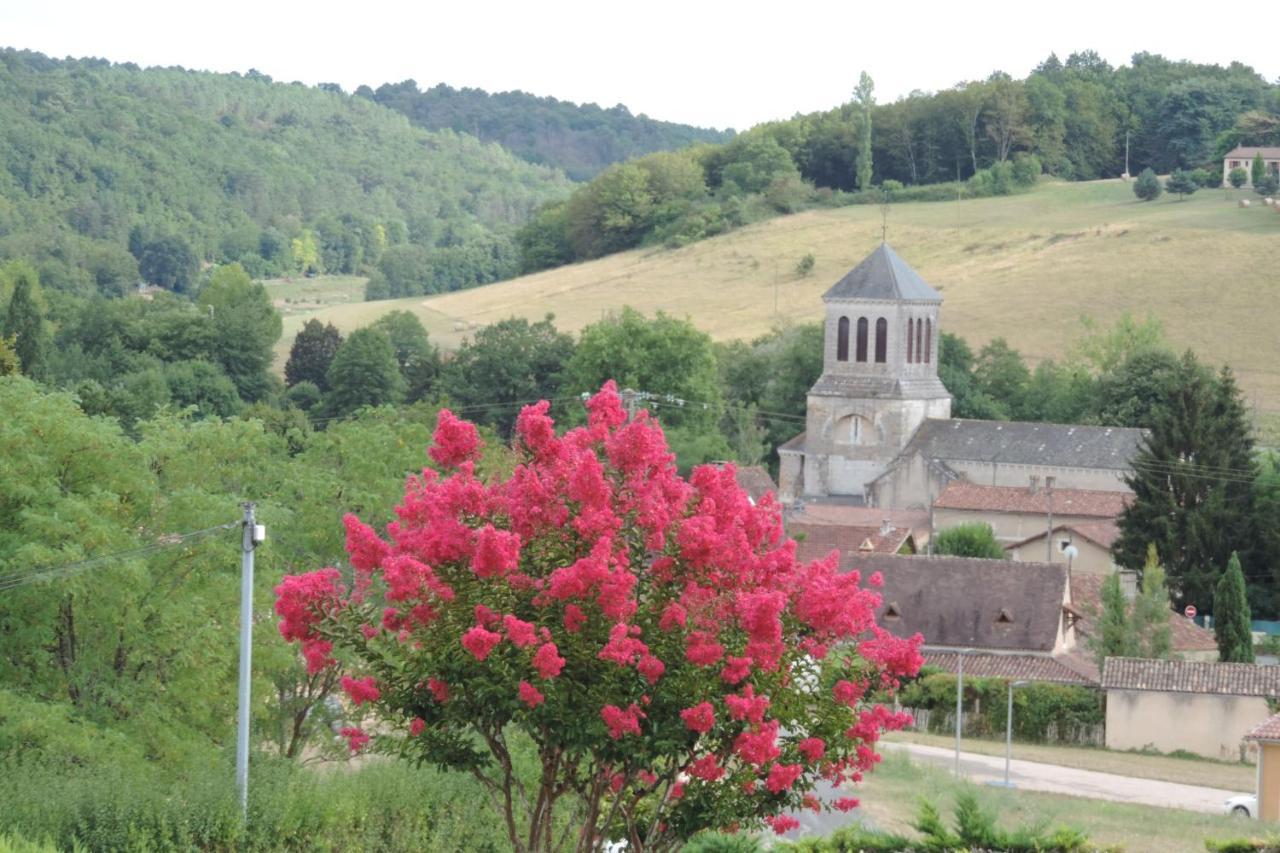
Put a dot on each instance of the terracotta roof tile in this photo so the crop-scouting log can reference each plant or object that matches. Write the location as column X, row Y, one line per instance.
column 1086, row 598
column 1182, row 676
column 1020, row 499
column 822, row 512
column 1100, row 533
column 1060, row 669
column 1268, row 729
column 1249, row 150
column 821, row 539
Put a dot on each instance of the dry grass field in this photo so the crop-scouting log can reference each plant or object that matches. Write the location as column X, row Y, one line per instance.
column 1024, row 267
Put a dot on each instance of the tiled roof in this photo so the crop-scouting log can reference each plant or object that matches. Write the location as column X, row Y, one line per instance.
column 827, row 511
column 1183, row 676
column 962, row 494
column 1249, row 151
column 1100, row 533
column 756, row 482
column 1020, row 443
column 1086, row 599
column 1268, row 729
column 1061, row 669
column 821, row 539
column 883, row 275
column 964, row 602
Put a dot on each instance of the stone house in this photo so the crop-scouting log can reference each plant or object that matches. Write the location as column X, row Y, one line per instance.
column 1189, row 640
column 1267, row 736
column 1009, row 620
column 1242, row 156
column 878, row 425
column 1195, row 706
column 1092, row 542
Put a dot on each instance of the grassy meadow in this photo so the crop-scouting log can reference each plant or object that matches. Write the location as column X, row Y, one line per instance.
column 891, row 794
column 1024, row 267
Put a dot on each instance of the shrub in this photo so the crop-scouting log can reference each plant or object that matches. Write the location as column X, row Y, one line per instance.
column 654, row 637
column 1147, row 187
column 805, row 265
column 1268, row 186
column 1205, row 178
column 1026, row 169
column 1181, row 183
column 1237, row 177
column 1038, row 708
column 889, row 185
column 971, row 539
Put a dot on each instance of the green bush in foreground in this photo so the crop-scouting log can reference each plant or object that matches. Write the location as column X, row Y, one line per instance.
column 973, row 829
column 1270, row 844
column 380, row 807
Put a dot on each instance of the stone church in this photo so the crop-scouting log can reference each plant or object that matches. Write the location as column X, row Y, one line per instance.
column 878, row 427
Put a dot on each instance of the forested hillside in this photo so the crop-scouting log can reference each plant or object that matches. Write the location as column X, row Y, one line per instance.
column 111, row 173
column 581, row 139
column 1075, row 120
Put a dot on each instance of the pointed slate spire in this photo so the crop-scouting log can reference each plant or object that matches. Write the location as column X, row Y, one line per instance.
column 883, row 275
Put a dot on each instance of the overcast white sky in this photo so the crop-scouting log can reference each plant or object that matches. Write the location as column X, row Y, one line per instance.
column 711, row 64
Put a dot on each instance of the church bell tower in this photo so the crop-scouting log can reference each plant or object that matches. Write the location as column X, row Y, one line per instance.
column 879, row 379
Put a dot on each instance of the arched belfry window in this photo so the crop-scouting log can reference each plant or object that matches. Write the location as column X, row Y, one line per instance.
column 862, row 339
column 842, row 339
column 911, row 335
column 920, row 341
column 928, row 340
column 882, row 340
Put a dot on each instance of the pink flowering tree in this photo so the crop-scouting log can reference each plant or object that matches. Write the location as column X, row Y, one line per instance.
column 674, row 666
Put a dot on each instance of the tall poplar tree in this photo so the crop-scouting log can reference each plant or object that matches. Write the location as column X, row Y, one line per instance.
column 1259, row 170
column 1232, row 622
column 24, row 322
column 1193, row 484
column 865, row 96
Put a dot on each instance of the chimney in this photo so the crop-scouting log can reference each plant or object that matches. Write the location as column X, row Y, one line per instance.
column 1129, row 584
column 1034, row 485
column 886, row 527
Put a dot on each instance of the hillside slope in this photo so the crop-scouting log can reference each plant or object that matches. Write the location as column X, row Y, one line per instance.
column 582, row 139
column 235, row 166
column 1024, row 267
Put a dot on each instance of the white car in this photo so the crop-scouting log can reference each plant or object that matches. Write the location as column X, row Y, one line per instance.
column 1245, row 805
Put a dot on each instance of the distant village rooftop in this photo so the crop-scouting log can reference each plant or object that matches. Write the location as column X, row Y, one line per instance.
column 1180, row 676
column 962, row 494
column 1024, row 443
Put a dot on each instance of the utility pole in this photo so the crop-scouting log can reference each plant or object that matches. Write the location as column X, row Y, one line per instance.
column 1048, row 535
column 629, row 398
column 252, row 535
column 1126, row 155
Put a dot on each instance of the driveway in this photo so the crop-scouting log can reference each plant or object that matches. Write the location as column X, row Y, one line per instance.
column 1054, row 779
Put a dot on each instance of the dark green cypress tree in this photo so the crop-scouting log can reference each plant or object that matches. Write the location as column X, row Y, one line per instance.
column 24, row 321
column 1192, row 484
column 1232, row 623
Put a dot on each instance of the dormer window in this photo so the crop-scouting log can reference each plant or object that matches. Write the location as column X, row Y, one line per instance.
column 1005, row 617
column 891, row 612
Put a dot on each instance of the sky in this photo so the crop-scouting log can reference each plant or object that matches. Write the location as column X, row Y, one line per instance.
column 704, row 63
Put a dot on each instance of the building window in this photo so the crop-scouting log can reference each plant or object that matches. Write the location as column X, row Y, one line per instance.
column 882, row 340
column 862, row 339
column 855, row 430
column 842, row 340
column 1235, row 164
column 920, row 341
column 928, row 340
column 911, row 332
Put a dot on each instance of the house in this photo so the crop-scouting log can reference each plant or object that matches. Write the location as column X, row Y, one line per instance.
column 1189, row 640
column 1008, row 620
column 1242, row 156
column 878, row 425
column 1194, row 706
column 1019, row 513
column 1267, row 736
column 1091, row 540
column 822, row 528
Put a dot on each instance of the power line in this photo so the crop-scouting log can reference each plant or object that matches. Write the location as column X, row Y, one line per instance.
column 22, row 577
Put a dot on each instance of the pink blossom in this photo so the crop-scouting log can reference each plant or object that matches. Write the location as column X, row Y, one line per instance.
column 699, row 718
column 574, row 618
column 519, row 632
column 706, row 768
column 812, row 748
column 530, row 695
column 651, row 668
column 622, row 648
column 356, row 738
column 782, row 824
column 620, row 722
column 702, row 649
column 417, row 726
column 497, row 552
column 438, row 689
column 848, row 693
column 547, row 661
column 673, row 616
column 647, row 777
column 604, row 410
column 480, row 641
column 735, row 669
column 782, row 777
column 747, row 706
column 455, row 441
column 317, row 654
column 304, row 600
column 361, row 690
column 846, row 804
column 758, row 747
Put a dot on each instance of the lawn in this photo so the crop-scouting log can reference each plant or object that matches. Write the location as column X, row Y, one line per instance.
column 1023, row 267
column 1189, row 771
column 891, row 794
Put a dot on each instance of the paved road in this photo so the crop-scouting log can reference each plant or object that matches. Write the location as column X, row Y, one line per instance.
column 1053, row 778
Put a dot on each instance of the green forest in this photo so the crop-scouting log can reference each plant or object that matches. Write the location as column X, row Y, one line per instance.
column 580, row 139
column 111, row 175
